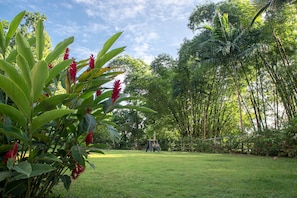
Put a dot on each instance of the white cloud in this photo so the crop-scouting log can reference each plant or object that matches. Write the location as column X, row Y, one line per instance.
column 70, row 29
column 143, row 51
column 145, row 23
column 82, row 51
column 67, row 6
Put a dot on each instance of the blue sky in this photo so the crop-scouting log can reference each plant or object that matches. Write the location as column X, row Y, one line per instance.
column 150, row 27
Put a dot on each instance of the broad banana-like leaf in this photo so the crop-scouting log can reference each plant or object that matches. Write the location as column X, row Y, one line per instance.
column 24, row 168
column 39, row 40
column 36, row 169
column 23, row 48
column 13, row 26
column 50, row 103
column 106, row 47
column 39, row 169
column 115, row 135
column 12, row 55
column 66, row 179
column 108, row 56
column 13, row 113
column 57, row 69
column 48, row 116
column 39, row 74
column 15, row 76
column 87, row 124
column 79, row 154
column 15, row 133
column 16, row 94
column 24, row 68
column 59, row 49
column 2, row 40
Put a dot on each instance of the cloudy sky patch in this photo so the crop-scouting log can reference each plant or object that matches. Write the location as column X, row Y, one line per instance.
column 150, row 27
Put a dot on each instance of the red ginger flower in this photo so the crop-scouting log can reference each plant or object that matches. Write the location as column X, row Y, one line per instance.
column 77, row 170
column 92, row 61
column 89, row 138
column 11, row 153
column 116, row 91
column 66, row 55
column 72, row 71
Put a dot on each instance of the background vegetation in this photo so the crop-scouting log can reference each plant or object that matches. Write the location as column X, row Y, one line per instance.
column 231, row 89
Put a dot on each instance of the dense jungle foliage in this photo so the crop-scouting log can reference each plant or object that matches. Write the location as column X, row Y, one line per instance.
column 232, row 88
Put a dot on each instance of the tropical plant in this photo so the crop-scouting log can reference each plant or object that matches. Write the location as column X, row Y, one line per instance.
column 50, row 107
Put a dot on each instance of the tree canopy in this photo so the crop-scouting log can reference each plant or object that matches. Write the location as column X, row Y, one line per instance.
column 236, row 77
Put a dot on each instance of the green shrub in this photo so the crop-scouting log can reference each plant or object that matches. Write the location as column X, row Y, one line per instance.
column 50, row 108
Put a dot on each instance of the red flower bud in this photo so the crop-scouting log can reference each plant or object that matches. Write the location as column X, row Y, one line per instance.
column 116, row 91
column 89, row 138
column 11, row 153
column 72, row 71
column 92, row 61
column 77, row 170
column 66, row 55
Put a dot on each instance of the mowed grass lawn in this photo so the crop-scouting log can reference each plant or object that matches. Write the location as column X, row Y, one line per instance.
column 182, row 175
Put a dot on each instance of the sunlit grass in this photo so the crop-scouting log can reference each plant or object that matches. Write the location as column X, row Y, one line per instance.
column 176, row 174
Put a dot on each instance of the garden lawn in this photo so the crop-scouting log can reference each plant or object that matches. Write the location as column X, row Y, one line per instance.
column 183, row 175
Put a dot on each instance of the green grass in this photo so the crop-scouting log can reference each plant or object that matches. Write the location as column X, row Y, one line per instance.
column 177, row 174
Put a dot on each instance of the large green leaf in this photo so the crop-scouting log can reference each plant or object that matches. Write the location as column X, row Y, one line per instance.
column 39, row 74
column 15, row 76
column 57, row 69
column 24, row 49
column 88, row 123
column 39, row 40
column 50, row 103
column 2, row 40
column 4, row 175
column 39, row 169
column 15, row 133
column 59, row 49
column 42, row 119
column 48, row 157
column 25, row 69
column 108, row 56
column 13, row 113
column 36, row 169
column 16, row 94
column 11, row 56
column 24, row 168
column 115, row 135
column 106, row 47
column 13, row 26
column 79, row 154
column 66, row 181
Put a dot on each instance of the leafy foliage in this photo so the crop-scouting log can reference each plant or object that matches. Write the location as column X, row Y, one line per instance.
column 51, row 130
